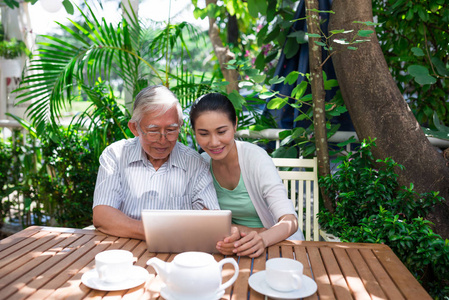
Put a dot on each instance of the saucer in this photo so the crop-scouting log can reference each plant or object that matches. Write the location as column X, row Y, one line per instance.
column 257, row 282
column 139, row 275
column 166, row 293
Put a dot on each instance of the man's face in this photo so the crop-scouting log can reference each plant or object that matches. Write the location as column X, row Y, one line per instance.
column 158, row 135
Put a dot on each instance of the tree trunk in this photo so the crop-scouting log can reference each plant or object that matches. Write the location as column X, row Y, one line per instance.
column 223, row 54
column 318, row 93
column 378, row 110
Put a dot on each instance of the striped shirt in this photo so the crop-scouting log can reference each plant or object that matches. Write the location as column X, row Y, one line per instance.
column 127, row 181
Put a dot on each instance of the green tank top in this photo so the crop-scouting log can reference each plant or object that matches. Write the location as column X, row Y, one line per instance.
column 239, row 202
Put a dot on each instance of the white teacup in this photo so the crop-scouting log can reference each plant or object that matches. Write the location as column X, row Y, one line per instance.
column 284, row 274
column 114, row 265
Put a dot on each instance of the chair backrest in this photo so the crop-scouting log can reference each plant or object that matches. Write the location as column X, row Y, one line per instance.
column 300, row 178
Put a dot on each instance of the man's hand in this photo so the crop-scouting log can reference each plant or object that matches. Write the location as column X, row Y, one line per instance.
column 226, row 246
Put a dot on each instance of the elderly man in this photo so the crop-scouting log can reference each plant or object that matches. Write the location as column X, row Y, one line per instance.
column 150, row 171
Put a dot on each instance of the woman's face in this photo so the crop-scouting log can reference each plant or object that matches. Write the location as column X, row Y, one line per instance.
column 215, row 134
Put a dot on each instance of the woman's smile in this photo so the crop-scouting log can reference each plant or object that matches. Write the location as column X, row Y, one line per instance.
column 217, row 150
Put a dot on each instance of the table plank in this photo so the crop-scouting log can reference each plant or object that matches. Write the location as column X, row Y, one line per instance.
column 258, row 265
column 287, row 251
column 372, row 286
column 29, row 266
column 18, row 237
column 112, row 243
column 335, row 274
column 355, row 284
column 401, row 276
column 301, row 255
column 74, row 289
column 274, row 251
column 241, row 287
column 25, row 246
column 55, row 269
column 320, row 276
column 381, row 275
column 46, row 262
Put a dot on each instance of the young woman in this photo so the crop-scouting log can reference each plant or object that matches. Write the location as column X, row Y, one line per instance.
column 245, row 179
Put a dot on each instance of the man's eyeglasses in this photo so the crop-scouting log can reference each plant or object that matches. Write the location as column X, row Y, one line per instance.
column 154, row 136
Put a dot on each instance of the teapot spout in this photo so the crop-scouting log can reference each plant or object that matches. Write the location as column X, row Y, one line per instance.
column 162, row 268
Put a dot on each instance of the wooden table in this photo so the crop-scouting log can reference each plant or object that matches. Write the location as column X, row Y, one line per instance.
column 48, row 262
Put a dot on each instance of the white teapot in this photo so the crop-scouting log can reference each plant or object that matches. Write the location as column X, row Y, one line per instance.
column 193, row 276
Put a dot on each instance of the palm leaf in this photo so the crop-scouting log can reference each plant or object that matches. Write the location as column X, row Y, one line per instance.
column 62, row 71
column 60, row 67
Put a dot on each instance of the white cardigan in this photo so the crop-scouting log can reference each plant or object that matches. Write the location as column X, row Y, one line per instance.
column 264, row 185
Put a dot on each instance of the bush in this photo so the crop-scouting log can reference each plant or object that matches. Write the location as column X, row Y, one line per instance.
column 12, row 49
column 55, row 178
column 55, row 173
column 371, row 208
column 66, row 181
column 9, row 173
column 5, row 175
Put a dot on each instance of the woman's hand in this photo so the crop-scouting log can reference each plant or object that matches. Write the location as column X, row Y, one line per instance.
column 226, row 247
column 253, row 241
column 250, row 244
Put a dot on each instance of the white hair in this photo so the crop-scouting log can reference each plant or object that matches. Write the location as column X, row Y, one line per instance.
column 155, row 98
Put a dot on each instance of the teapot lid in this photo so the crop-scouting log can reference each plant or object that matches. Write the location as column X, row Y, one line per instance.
column 193, row 259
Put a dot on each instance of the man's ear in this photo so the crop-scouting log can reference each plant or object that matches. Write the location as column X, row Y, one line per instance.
column 133, row 127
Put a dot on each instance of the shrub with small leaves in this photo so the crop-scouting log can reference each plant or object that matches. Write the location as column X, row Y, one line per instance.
column 5, row 169
column 370, row 207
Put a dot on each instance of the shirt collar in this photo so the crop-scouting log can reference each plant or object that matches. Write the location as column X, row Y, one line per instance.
column 136, row 152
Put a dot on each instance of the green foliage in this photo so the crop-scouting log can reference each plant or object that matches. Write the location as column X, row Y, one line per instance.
column 65, row 71
column 338, row 36
column 275, row 35
column 105, row 120
column 20, row 165
column 19, row 161
column 370, row 207
column 64, row 186
column 54, row 179
column 15, row 3
column 300, row 137
column 413, row 36
column 56, row 172
column 62, row 67
column 6, row 157
column 441, row 132
column 245, row 14
column 12, row 49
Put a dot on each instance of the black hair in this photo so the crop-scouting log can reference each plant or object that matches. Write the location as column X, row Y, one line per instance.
column 212, row 102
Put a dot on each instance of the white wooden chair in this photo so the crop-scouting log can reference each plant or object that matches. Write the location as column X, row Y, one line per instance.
column 300, row 178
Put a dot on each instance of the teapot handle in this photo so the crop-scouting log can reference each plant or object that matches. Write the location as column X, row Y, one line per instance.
column 236, row 272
